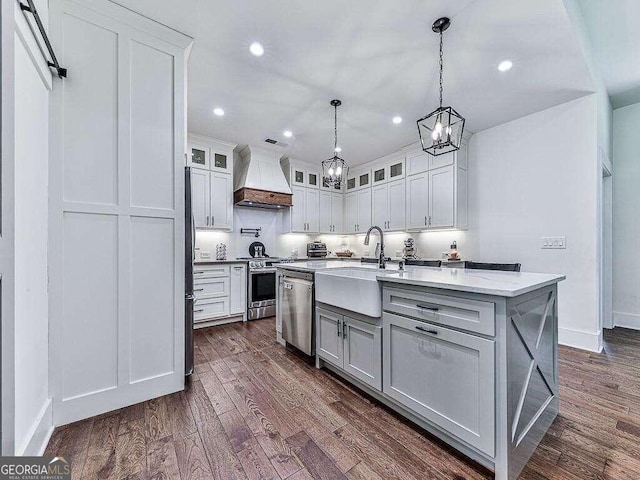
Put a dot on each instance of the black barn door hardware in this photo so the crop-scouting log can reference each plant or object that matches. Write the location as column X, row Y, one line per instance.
column 53, row 63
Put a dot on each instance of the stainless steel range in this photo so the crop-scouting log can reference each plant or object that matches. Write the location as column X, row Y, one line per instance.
column 261, row 293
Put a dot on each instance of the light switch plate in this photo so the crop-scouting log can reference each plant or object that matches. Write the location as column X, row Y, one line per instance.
column 555, row 243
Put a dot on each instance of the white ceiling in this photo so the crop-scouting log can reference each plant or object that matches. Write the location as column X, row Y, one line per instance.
column 614, row 30
column 379, row 57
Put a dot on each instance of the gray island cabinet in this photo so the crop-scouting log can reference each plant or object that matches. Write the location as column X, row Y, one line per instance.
column 472, row 357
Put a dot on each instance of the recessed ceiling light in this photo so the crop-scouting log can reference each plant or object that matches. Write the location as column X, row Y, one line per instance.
column 397, row 120
column 218, row 111
column 505, row 65
column 337, row 149
column 256, row 49
column 288, row 133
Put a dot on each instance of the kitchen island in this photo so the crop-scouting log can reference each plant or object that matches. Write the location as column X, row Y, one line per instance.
column 469, row 355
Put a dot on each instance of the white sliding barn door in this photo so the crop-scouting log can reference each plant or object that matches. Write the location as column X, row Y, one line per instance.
column 116, row 209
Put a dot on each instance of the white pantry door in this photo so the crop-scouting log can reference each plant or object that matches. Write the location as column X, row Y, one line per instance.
column 116, row 209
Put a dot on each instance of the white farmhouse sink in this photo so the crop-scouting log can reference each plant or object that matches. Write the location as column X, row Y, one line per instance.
column 354, row 289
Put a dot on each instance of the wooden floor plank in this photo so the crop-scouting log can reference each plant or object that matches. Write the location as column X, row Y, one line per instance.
column 316, row 462
column 256, row 464
column 131, row 448
column 156, row 419
column 192, row 459
column 163, row 461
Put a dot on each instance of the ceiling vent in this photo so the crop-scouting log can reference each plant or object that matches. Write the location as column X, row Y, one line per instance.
column 278, row 143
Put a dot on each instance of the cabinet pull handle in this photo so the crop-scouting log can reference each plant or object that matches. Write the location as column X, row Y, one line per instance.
column 339, row 324
column 425, row 220
column 432, row 332
column 429, row 220
column 199, row 310
column 213, row 221
column 198, row 273
column 207, row 219
column 428, row 307
column 344, row 330
column 198, row 289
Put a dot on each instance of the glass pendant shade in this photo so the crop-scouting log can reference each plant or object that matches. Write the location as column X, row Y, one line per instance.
column 441, row 131
column 335, row 169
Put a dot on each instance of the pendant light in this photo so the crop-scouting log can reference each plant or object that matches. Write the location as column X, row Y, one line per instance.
column 335, row 169
column 441, row 130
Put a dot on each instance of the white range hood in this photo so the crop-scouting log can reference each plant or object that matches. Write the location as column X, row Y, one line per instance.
column 260, row 181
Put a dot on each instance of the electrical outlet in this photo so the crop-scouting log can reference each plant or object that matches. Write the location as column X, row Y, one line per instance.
column 556, row 243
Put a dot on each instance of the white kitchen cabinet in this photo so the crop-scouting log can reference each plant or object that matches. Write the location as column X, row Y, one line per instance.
column 221, row 205
column 312, row 210
column 211, row 182
column 212, row 199
column 456, row 390
column 437, row 190
column 441, row 197
column 200, row 196
column 389, row 170
column 351, row 212
column 298, row 211
column 418, row 201
column 238, row 289
column 220, row 293
column 329, row 344
column 350, row 344
column 357, row 211
column 303, row 177
column 364, row 210
column 210, row 154
column 331, row 212
column 304, row 214
column 363, row 351
column 388, row 205
column 198, row 155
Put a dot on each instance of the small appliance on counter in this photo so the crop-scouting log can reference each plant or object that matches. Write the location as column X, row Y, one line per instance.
column 317, row 250
column 409, row 250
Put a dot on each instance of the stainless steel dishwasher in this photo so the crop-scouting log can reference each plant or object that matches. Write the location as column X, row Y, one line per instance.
column 296, row 304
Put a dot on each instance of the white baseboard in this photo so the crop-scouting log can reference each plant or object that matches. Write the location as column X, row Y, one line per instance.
column 591, row 341
column 40, row 433
column 626, row 320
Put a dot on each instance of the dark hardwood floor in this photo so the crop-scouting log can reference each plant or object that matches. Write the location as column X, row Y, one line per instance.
column 255, row 410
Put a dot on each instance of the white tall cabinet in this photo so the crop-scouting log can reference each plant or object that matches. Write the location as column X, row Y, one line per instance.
column 437, row 190
column 331, row 212
column 116, row 207
column 305, row 214
column 211, row 163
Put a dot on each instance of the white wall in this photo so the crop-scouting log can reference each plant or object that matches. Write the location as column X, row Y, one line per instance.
column 626, row 221
column 538, row 176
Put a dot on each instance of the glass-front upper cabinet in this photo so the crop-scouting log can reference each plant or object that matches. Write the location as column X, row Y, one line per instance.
column 210, row 154
column 313, row 179
column 392, row 170
column 351, row 183
column 198, row 156
column 364, row 180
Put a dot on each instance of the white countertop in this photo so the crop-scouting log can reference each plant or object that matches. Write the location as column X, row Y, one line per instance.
column 503, row 284
column 487, row 282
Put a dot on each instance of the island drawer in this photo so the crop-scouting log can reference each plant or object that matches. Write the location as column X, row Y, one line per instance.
column 466, row 314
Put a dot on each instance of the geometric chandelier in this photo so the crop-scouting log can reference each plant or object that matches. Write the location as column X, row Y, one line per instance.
column 335, row 170
column 441, row 131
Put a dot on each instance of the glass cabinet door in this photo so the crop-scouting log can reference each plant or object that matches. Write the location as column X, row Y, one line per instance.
column 364, row 180
column 199, row 156
column 313, row 179
column 396, row 170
